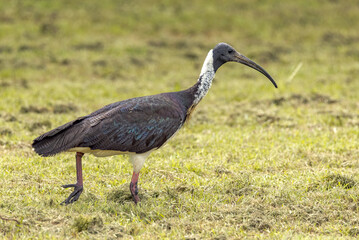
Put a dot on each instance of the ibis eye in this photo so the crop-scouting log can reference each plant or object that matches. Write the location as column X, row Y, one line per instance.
column 230, row 51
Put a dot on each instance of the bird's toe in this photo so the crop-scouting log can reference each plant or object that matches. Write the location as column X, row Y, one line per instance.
column 75, row 195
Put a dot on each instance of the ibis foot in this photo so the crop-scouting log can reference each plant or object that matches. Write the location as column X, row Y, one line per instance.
column 133, row 187
column 134, row 192
column 74, row 196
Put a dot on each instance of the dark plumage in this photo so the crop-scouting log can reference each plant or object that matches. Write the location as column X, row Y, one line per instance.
column 135, row 126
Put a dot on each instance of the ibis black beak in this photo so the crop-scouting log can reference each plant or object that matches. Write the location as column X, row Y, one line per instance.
column 246, row 61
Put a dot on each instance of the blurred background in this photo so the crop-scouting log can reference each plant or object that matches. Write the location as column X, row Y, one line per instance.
column 63, row 59
column 56, row 54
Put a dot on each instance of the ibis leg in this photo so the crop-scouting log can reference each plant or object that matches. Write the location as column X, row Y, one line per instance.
column 133, row 187
column 78, row 187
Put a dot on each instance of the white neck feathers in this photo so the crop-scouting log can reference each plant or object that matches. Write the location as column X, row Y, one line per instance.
column 205, row 78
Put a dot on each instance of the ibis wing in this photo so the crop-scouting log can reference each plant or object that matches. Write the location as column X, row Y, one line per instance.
column 137, row 125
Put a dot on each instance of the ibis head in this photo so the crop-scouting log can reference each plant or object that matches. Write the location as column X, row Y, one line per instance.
column 223, row 53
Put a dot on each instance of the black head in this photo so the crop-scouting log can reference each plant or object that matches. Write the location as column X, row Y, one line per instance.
column 223, row 53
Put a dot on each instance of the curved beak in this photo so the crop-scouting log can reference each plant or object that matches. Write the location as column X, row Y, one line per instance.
column 246, row 61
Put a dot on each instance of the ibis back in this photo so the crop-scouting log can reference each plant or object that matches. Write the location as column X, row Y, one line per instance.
column 134, row 125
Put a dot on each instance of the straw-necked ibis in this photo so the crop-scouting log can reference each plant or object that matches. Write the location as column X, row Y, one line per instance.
column 136, row 126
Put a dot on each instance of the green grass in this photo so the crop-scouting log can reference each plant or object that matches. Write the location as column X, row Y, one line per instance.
column 253, row 162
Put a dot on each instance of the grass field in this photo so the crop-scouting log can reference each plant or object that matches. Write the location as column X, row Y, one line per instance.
column 253, row 162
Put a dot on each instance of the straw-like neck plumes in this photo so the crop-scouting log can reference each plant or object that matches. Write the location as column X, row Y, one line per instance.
column 205, row 78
